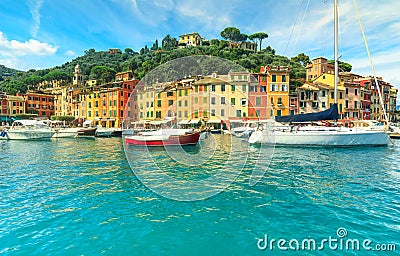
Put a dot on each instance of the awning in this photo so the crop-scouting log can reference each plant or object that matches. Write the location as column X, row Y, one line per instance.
column 194, row 121
column 236, row 121
column 214, row 120
column 157, row 122
column 184, row 122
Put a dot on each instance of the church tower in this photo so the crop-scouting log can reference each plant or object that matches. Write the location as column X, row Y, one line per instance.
column 78, row 76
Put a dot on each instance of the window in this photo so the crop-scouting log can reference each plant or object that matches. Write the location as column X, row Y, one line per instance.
column 213, row 100
column 243, row 101
column 158, row 114
column 223, row 100
column 222, row 87
column 315, row 96
column 196, row 100
column 233, row 101
column 323, row 104
column 347, row 104
column 252, row 88
column 204, row 100
column 169, row 94
column 238, row 113
column 244, row 88
column 332, row 95
column 273, row 88
column 90, row 104
column 263, row 88
column 279, row 112
column 257, row 113
column 244, row 114
column 284, row 88
column 273, row 78
column 180, row 93
column 122, row 103
column 283, row 78
column 355, row 104
column 222, row 112
column 340, row 95
column 323, row 93
column 179, row 103
column 258, row 101
column 186, row 103
column 279, row 101
column 355, row 92
column 170, row 102
column 212, row 112
column 213, row 87
column 89, row 113
column 347, row 90
column 232, row 88
column 115, row 103
column 159, row 103
column 264, row 78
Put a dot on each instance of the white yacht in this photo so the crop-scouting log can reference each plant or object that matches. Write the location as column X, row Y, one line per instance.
column 29, row 130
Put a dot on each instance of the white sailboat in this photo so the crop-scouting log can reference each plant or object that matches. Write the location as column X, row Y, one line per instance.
column 319, row 135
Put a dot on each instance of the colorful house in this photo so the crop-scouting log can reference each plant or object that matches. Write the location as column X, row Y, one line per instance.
column 191, row 39
column 317, row 67
column 39, row 103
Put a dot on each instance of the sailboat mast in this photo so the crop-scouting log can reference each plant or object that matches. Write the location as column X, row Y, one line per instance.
column 336, row 25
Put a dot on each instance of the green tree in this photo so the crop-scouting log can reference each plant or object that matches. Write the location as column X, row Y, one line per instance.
column 169, row 43
column 260, row 36
column 129, row 51
column 344, row 66
column 302, row 59
column 231, row 34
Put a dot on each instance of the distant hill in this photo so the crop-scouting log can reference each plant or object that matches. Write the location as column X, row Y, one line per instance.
column 140, row 63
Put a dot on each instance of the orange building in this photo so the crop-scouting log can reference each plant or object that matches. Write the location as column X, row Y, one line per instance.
column 39, row 103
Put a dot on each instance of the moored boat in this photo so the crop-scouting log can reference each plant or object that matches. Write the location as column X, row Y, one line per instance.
column 87, row 132
column 165, row 137
column 29, row 130
column 66, row 132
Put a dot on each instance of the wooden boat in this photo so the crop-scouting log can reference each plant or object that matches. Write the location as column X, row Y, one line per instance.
column 166, row 137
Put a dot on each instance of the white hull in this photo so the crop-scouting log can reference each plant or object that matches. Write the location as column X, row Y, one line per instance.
column 104, row 133
column 66, row 133
column 36, row 134
column 346, row 137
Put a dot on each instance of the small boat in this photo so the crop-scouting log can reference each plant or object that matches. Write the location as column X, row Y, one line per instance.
column 29, row 130
column 66, row 132
column 103, row 132
column 116, row 133
column 87, row 132
column 165, row 137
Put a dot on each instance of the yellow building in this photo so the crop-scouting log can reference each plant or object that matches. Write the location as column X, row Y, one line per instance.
column 191, row 39
column 328, row 81
column 15, row 105
column 317, row 67
column 277, row 90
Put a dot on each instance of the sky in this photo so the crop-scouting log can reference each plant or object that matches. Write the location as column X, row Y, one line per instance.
column 46, row 33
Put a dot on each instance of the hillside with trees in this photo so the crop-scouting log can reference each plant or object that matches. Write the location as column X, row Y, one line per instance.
column 103, row 66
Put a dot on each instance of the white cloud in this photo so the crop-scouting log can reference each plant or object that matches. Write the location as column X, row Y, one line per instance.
column 10, row 48
column 34, row 8
column 70, row 53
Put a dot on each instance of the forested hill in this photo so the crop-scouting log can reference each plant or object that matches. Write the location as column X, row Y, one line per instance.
column 102, row 65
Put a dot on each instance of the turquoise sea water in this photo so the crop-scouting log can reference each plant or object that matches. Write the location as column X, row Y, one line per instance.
column 80, row 197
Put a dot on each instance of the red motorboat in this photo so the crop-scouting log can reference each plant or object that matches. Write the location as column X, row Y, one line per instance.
column 165, row 137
